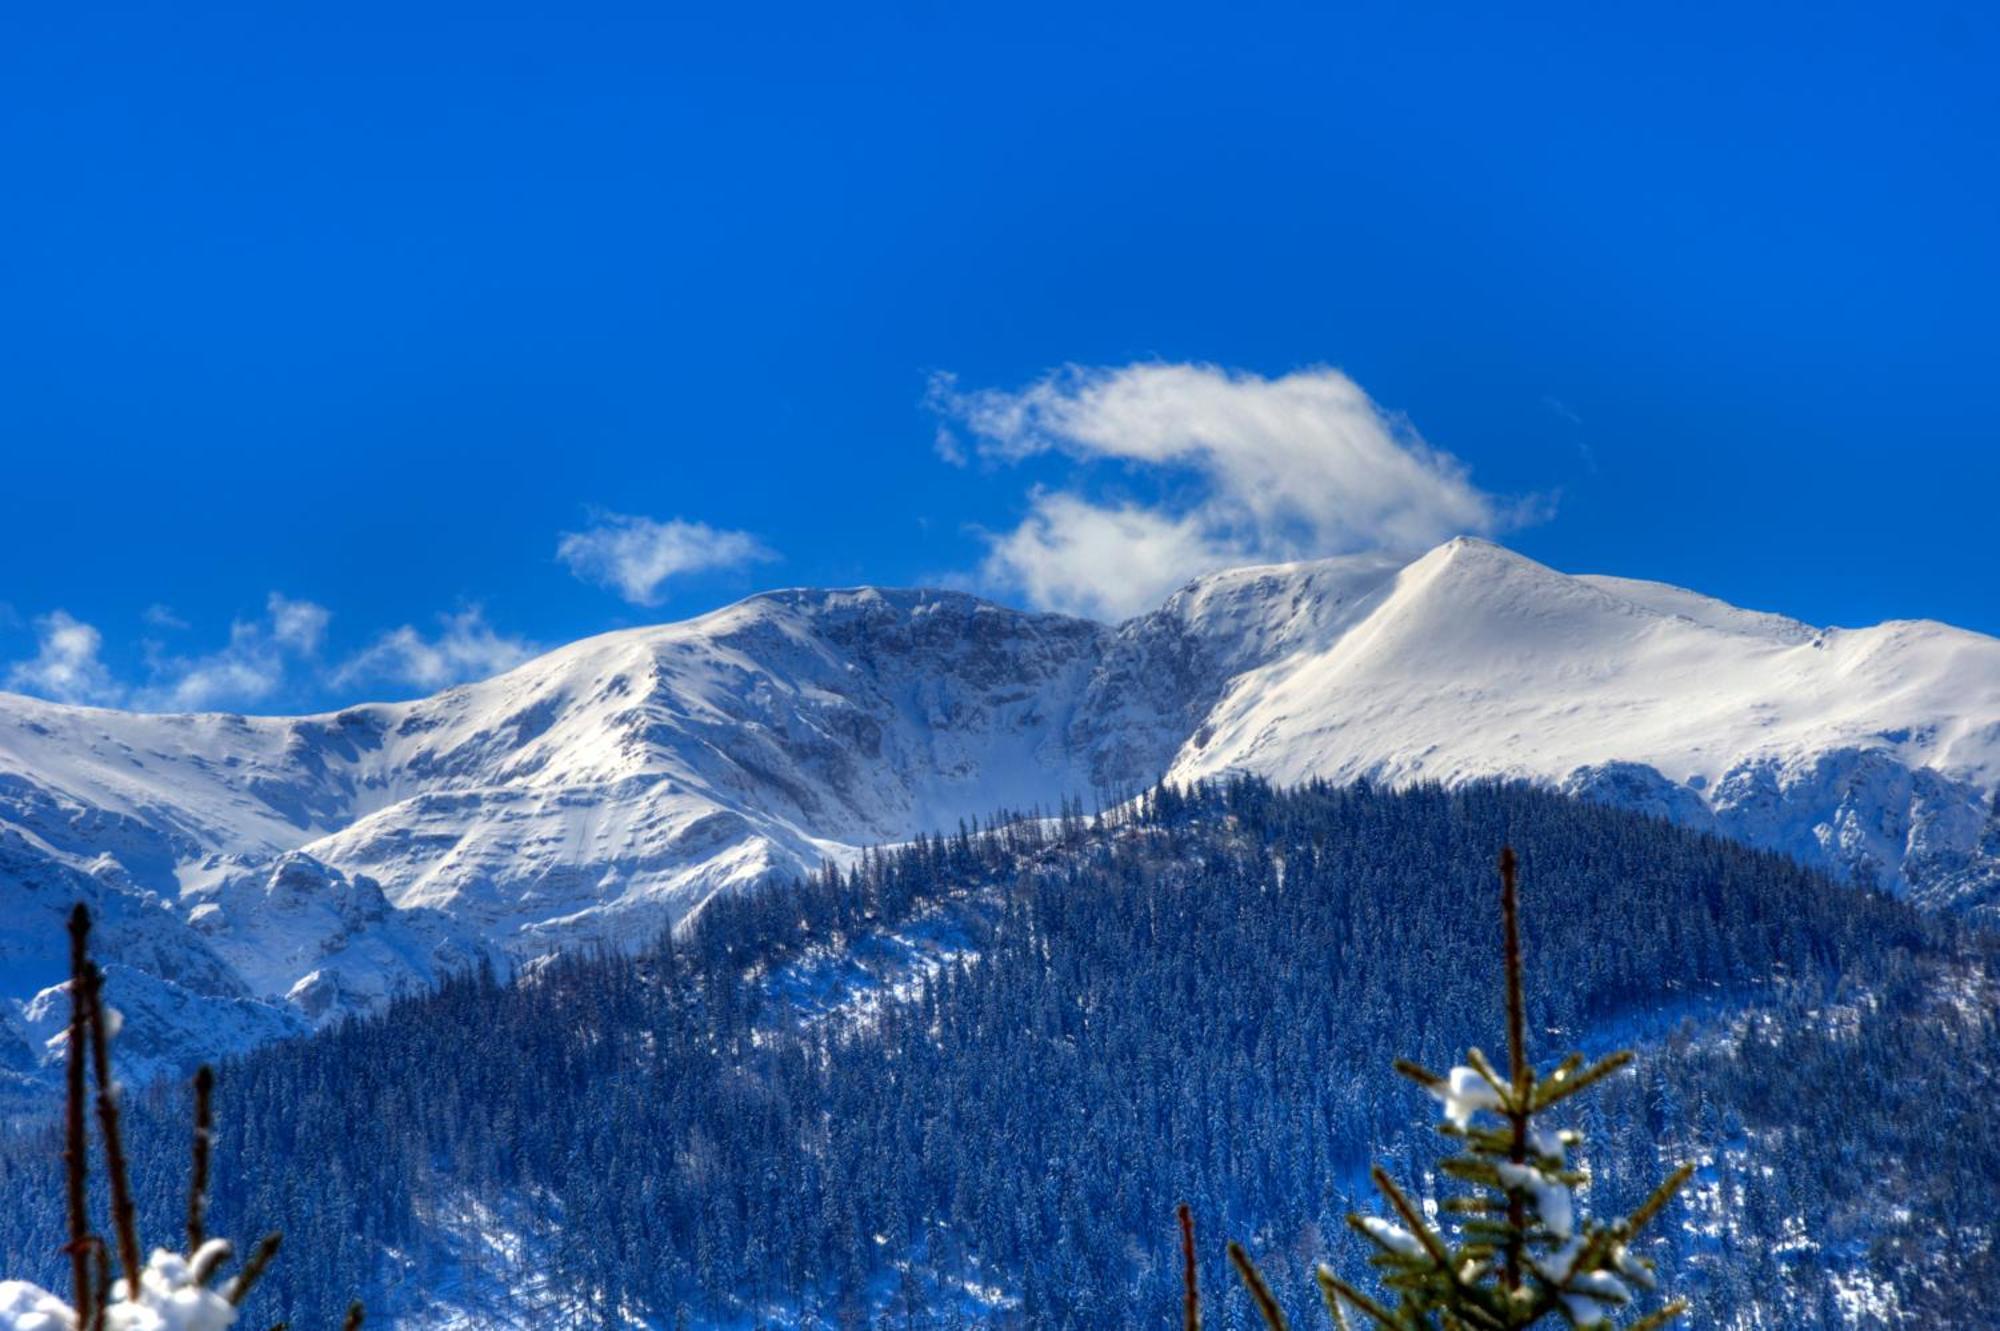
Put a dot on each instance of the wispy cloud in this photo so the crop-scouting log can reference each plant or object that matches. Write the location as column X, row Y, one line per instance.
column 279, row 655
column 299, row 626
column 246, row 672
column 1561, row 408
column 465, row 647
column 1248, row 469
column 67, row 665
column 634, row 556
column 1584, row 452
column 159, row 615
column 256, row 665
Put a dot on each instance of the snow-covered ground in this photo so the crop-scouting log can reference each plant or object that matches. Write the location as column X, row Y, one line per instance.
column 268, row 873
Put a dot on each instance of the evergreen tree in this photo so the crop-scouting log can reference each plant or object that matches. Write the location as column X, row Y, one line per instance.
column 1094, row 1033
column 1521, row 1252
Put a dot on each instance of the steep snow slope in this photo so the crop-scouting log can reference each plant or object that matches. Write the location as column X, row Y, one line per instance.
column 630, row 776
column 602, row 791
column 1875, row 749
column 293, row 869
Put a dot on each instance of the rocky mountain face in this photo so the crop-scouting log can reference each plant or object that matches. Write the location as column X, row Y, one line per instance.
column 264, row 874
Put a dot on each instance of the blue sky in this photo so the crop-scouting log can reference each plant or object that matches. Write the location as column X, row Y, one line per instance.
column 355, row 349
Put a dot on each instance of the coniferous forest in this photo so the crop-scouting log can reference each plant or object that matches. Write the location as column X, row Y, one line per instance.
column 968, row 1081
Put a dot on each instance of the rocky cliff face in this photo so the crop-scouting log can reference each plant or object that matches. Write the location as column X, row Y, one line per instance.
column 266, row 873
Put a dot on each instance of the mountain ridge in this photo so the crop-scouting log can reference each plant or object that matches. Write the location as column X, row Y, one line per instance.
column 611, row 787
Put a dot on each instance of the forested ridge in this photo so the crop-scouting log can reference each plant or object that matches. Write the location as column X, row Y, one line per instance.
column 1093, row 1020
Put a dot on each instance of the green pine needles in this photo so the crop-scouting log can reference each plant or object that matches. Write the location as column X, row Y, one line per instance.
column 1517, row 1250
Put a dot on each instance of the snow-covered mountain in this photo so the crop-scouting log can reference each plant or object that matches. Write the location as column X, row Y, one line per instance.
column 1873, row 751
column 268, row 873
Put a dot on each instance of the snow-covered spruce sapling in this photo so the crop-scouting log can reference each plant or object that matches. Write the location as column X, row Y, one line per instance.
column 1521, row 1252
column 171, row 1291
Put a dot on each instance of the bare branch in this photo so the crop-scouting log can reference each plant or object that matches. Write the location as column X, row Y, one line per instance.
column 1190, row 1295
column 1260, row 1293
column 253, row 1269
column 124, row 1214
column 204, row 1136
column 76, row 1137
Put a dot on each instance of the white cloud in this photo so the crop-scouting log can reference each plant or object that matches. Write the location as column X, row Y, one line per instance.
column 66, row 665
column 634, row 555
column 1250, row 470
column 297, row 625
column 262, row 660
column 161, row 616
column 254, row 665
column 1109, row 562
column 464, row 648
column 245, row 672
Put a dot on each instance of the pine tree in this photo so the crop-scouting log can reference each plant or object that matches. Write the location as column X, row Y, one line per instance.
column 1520, row 1253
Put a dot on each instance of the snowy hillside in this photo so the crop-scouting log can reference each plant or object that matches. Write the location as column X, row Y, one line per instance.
column 273, row 872
column 1876, row 750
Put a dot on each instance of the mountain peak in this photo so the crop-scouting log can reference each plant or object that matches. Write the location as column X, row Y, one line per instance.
column 1464, row 557
column 611, row 787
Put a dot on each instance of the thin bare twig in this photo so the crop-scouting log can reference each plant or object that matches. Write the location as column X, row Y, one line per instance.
column 1517, row 1003
column 253, row 1269
column 1517, row 1056
column 1260, row 1293
column 102, row 1261
column 76, row 1141
column 208, row 1263
column 1190, row 1295
column 124, row 1215
column 204, row 1136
